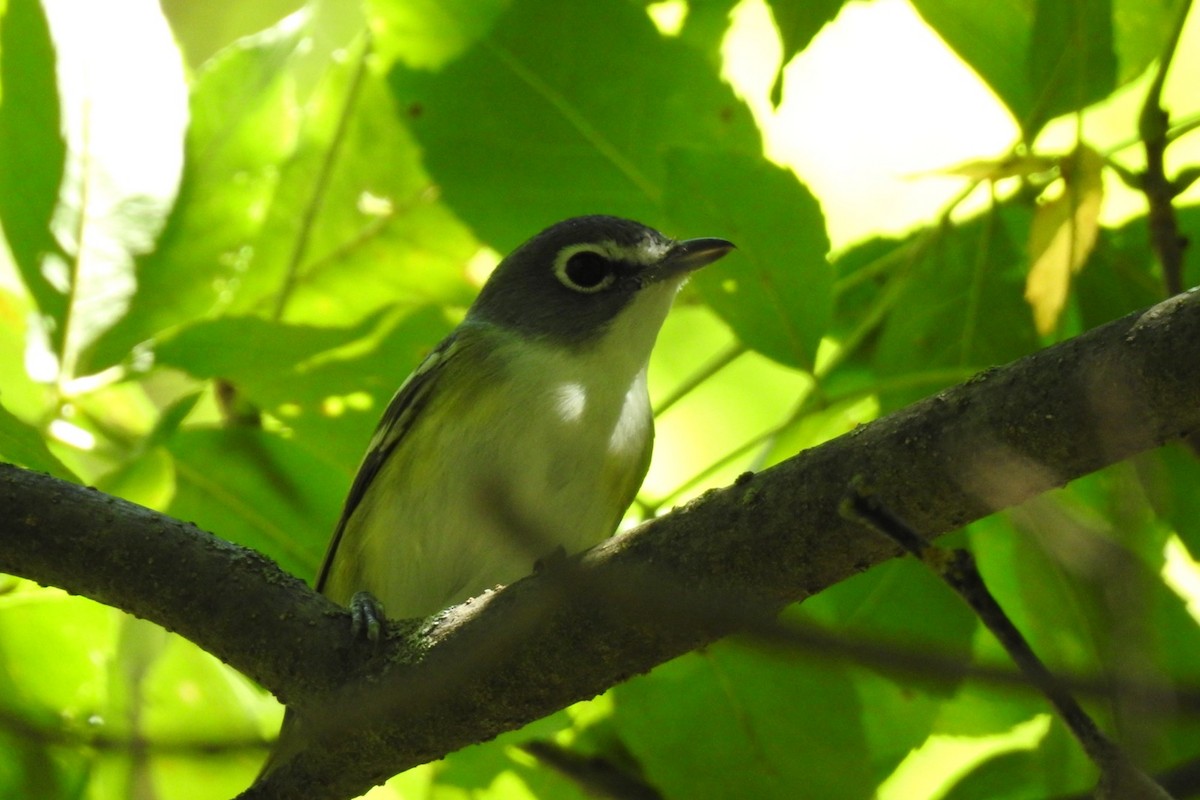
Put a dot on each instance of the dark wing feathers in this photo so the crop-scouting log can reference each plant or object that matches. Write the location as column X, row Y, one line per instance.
column 397, row 420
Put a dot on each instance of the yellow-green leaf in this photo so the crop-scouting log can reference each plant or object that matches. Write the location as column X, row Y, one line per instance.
column 1062, row 237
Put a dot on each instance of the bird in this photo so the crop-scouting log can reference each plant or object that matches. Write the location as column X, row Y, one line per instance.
column 526, row 432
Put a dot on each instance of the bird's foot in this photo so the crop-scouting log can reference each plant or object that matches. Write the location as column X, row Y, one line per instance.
column 366, row 617
column 555, row 558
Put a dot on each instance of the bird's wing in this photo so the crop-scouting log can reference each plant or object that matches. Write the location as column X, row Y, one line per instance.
column 633, row 482
column 397, row 420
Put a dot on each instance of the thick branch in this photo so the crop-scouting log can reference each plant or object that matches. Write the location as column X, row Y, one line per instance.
column 232, row 601
column 638, row 600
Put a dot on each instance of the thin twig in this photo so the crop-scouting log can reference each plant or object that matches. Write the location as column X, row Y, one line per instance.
column 1153, row 125
column 316, row 198
column 1119, row 777
column 596, row 776
column 709, row 369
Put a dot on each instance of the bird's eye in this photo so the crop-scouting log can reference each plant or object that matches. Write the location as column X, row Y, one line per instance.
column 586, row 271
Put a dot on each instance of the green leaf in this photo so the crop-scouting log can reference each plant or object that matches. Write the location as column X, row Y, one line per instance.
column 685, row 464
column 1189, row 225
column 19, row 392
column 698, row 720
column 354, row 225
column 53, row 678
column 31, row 768
column 1092, row 552
column 32, row 156
column 1011, row 774
column 1171, row 476
column 331, row 216
column 203, row 31
column 51, row 641
column 220, row 706
column 242, row 349
column 1026, row 581
column 798, row 21
column 497, row 770
column 327, row 385
column 993, row 39
column 1042, row 58
column 776, row 291
column 425, row 34
column 23, row 444
column 1141, row 29
column 705, row 26
column 518, row 136
column 1071, row 59
column 1119, row 278
column 903, row 600
column 981, row 709
column 243, row 124
column 900, row 602
column 259, row 490
column 958, row 303
column 147, row 479
column 1062, row 237
column 1067, row 555
column 120, row 179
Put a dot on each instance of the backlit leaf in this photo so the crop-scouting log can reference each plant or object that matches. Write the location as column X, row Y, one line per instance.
column 776, row 289
column 1062, row 236
column 516, row 117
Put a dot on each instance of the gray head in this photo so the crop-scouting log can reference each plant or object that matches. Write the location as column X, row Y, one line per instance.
column 572, row 280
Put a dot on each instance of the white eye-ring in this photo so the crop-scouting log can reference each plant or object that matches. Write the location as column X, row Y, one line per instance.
column 585, row 268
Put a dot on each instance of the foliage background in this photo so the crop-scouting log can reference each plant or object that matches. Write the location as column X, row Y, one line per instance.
column 233, row 228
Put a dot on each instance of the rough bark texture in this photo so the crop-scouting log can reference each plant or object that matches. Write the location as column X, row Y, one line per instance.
column 712, row 567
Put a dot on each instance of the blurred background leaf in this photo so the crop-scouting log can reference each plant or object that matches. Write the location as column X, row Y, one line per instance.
column 34, row 153
column 517, row 117
column 780, row 300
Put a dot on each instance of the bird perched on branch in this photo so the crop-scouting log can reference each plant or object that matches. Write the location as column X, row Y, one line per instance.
column 527, row 431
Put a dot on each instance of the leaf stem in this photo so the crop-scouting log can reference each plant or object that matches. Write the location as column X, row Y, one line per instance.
column 689, row 384
column 64, row 354
column 320, row 185
column 577, row 120
column 1120, row 778
column 1153, row 125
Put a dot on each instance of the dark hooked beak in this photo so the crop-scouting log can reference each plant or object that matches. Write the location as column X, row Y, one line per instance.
column 687, row 256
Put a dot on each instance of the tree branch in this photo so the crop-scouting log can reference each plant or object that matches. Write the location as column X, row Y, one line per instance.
column 702, row 572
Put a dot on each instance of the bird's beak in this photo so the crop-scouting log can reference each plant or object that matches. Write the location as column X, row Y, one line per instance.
column 688, row 256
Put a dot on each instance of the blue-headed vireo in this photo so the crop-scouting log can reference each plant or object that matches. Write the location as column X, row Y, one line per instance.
column 526, row 430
